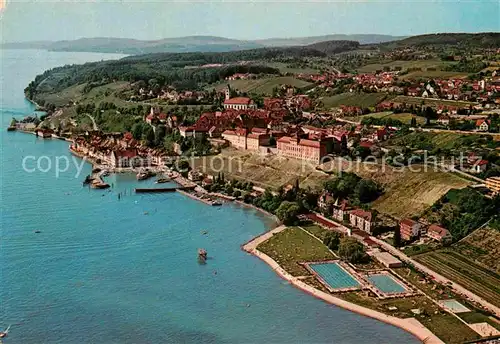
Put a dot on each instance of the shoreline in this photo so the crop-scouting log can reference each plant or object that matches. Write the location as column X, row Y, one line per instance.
column 410, row 325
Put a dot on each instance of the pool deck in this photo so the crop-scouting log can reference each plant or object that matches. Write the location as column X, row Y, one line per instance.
column 327, row 285
column 410, row 325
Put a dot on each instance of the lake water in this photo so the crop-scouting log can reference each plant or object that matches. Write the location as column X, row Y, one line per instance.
column 103, row 271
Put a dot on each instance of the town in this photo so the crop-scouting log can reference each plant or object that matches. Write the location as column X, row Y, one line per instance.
column 385, row 171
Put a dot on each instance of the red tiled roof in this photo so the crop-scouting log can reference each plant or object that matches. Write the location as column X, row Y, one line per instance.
column 362, row 213
column 408, row 222
column 309, row 143
column 238, row 100
column 481, row 121
column 437, row 230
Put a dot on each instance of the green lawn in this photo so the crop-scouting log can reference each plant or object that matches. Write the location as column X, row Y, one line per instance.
column 293, row 246
column 316, row 230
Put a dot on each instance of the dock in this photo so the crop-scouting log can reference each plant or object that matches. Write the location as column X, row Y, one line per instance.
column 188, row 191
column 160, row 190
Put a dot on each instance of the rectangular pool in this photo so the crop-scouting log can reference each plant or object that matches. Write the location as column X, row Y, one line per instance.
column 386, row 283
column 335, row 275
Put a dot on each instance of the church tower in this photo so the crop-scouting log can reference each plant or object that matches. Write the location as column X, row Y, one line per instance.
column 228, row 92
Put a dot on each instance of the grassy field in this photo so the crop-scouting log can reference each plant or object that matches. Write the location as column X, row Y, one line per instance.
column 293, row 246
column 430, row 102
column 424, row 64
column 406, row 193
column 288, row 68
column 403, row 117
column 265, row 172
column 465, row 272
column 483, row 247
column 363, row 100
column 262, row 86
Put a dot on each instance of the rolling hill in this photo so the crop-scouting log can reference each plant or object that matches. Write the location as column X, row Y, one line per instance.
column 186, row 44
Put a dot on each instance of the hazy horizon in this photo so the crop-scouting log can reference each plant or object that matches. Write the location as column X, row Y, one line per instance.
column 62, row 20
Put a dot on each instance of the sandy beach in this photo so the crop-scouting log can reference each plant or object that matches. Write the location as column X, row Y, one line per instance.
column 410, row 325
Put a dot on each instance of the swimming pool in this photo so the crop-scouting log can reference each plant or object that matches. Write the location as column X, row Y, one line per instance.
column 386, row 283
column 335, row 275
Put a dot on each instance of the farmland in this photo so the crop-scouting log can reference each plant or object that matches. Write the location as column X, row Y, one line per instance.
column 406, row 193
column 441, row 140
column 465, row 272
column 262, row 86
column 363, row 100
column 482, row 246
column 430, row 102
column 403, row 117
column 264, row 172
column 404, row 65
column 427, row 74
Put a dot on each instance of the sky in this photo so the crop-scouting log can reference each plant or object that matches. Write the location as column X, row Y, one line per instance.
column 33, row 20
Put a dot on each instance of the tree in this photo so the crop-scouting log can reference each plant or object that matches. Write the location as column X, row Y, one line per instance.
column 413, row 122
column 366, row 191
column 351, row 250
column 137, row 130
column 332, row 240
column 160, row 133
column 287, row 212
column 397, row 237
column 149, row 136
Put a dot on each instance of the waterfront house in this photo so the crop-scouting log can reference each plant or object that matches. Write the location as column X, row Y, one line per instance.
column 409, row 229
column 44, row 133
column 124, row 158
column 439, row 233
column 362, row 219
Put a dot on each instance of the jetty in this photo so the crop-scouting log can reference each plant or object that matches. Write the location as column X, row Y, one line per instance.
column 188, row 191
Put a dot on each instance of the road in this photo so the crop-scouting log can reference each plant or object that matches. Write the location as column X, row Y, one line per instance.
column 94, row 124
column 456, row 287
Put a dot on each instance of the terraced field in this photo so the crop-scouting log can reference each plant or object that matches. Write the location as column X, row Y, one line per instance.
column 459, row 269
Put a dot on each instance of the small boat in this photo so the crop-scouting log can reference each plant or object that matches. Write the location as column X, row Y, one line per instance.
column 144, row 175
column 202, row 253
column 88, row 180
column 3, row 334
column 162, row 180
column 38, row 231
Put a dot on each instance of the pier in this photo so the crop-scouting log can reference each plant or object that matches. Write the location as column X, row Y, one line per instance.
column 160, row 190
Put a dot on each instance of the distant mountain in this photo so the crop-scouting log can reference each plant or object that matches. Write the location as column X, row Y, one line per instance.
column 186, row 44
column 483, row 40
column 361, row 38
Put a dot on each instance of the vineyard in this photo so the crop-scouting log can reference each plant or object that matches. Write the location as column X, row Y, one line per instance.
column 469, row 275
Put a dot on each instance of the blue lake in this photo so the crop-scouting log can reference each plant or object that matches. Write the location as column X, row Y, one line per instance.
column 101, row 271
